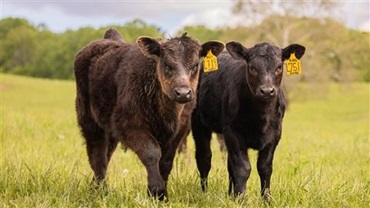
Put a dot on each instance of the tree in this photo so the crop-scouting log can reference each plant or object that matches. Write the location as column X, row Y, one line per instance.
column 10, row 23
column 256, row 12
column 15, row 45
column 18, row 48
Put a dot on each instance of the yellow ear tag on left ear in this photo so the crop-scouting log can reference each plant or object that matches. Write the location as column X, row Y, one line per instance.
column 210, row 62
column 293, row 65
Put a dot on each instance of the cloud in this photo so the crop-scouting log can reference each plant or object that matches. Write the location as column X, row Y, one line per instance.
column 97, row 9
column 169, row 15
column 211, row 18
column 355, row 14
column 139, row 8
column 60, row 15
column 365, row 26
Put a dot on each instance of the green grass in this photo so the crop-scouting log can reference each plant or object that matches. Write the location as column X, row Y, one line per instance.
column 323, row 159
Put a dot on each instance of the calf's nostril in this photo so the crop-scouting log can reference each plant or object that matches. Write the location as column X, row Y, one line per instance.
column 188, row 94
column 272, row 91
column 177, row 93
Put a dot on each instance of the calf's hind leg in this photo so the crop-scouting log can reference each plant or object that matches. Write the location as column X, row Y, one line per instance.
column 96, row 146
column 111, row 146
column 203, row 154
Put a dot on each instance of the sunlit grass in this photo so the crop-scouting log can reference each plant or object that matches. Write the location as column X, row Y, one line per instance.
column 323, row 159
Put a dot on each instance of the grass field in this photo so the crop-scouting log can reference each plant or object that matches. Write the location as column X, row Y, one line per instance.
column 323, row 159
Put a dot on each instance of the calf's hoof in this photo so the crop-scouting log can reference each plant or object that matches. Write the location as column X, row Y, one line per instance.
column 157, row 192
column 266, row 196
column 98, row 183
column 204, row 184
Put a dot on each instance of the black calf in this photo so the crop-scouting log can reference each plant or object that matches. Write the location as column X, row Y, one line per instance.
column 243, row 101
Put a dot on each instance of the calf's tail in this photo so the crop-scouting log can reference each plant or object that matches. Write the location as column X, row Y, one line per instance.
column 81, row 70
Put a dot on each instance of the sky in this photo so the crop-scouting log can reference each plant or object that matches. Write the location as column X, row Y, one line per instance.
column 169, row 15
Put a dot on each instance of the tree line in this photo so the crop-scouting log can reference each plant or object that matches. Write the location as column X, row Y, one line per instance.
column 36, row 51
column 333, row 52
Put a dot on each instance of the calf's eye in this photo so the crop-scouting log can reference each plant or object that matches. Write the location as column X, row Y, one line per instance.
column 167, row 67
column 279, row 70
column 194, row 68
column 253, row 70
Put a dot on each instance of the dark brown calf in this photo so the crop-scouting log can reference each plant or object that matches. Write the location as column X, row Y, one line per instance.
column 136, row 94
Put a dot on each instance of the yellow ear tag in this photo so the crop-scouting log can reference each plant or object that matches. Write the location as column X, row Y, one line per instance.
column 293, row 65
column 210, row 62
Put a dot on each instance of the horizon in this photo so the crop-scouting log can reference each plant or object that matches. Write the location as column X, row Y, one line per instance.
column 169, row 16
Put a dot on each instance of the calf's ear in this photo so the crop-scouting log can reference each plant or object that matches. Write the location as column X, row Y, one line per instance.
column 237, row 50
column 149, row 46
column 297, row 49
column 113, row 34
column 215, row 46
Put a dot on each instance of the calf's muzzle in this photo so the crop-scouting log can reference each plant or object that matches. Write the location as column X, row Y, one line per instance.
column 266, row 92
column 183, row 94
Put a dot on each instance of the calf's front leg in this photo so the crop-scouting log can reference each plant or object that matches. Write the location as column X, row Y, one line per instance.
column 149, row 152
column 169, row 151
column 239, row 170
column 264, row 167
column 238, row 163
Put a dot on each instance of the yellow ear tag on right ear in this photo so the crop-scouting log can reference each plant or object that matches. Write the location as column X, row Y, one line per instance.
column 293, row 65
column 210, row 62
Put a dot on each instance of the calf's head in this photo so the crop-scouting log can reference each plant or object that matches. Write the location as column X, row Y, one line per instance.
column 264, row 68
column 178, row 63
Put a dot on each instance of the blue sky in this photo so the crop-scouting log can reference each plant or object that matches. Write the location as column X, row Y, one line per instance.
column 169, row 15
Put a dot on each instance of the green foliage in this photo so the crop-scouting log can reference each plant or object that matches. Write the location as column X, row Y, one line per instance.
column 334, row 53
column 10, row 23
column 321, row 161
column 36, row 51
column 18, row 47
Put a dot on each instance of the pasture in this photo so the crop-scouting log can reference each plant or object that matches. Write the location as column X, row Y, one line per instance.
column 323, row 159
